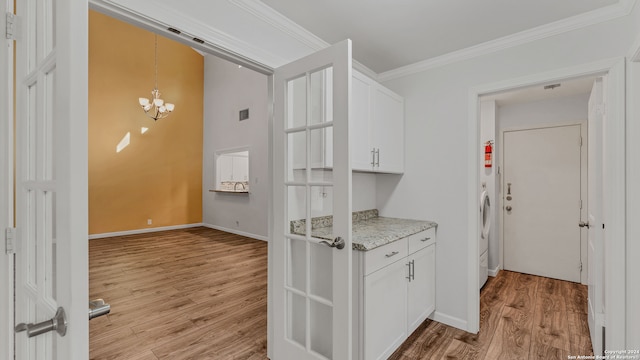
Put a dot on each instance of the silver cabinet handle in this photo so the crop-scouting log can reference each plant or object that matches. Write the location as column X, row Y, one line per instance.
column 373, row 157
column 392, row 254
column 58, row 323
column 378, row 157
column 336, row 243
column 98, row 308
column 412, row 270
column 425, row 239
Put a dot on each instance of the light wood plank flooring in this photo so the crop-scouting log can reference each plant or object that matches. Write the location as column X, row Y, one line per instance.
column 201, row 294
column 184, row 294
column 521, row 317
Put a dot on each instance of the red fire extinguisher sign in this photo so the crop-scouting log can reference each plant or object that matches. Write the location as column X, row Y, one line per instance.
column 488, row 149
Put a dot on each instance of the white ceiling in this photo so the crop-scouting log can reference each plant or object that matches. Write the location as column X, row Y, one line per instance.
column 536, row 93
column 389, row 34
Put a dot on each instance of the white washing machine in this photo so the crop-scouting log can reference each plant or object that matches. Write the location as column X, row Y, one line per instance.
column 485, row 219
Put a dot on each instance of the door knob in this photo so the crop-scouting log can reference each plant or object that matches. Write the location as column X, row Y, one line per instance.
column 508, row 208
column 336, row 243
column 584, row 224
column 58, row 323
column 98, row 308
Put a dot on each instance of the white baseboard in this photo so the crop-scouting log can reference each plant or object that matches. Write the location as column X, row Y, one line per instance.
column 450, row 320
column 494, row 272
column 143, row 231
column 237, row 232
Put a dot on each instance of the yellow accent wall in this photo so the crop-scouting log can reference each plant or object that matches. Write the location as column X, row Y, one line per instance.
column 158, row 175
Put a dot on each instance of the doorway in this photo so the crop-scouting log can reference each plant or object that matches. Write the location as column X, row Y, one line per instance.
column 614, row 186
column 172, row 161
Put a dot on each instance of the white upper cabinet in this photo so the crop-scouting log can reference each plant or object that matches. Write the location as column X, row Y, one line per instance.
column 377, row 127
column 361, row 127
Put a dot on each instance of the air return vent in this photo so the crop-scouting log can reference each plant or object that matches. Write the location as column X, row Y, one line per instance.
column 200, row 41
column 174, row 30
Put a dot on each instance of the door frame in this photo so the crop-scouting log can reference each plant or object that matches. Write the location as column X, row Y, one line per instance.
column 6, row 188
column 583, row 188
column 613, row 186
column 633, row 197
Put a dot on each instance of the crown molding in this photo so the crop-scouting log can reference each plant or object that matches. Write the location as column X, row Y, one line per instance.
column 623, row 8
column 275, row 19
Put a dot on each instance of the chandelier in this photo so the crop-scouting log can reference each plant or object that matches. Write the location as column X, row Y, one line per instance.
column 156, row 108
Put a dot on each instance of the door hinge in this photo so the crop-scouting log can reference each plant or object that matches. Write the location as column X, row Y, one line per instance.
column 581, row 266
column 580, row 204
column 580, row 141
column 10, row 30
column 9, row 240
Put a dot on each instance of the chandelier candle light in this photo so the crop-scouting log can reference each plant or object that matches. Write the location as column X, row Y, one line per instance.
column 156, row 108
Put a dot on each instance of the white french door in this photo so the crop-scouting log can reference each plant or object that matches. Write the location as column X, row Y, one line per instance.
column 311, row 276
column 51, row 180
column 595, row 279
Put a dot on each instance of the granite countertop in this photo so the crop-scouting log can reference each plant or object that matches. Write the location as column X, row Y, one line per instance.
column 369, row 230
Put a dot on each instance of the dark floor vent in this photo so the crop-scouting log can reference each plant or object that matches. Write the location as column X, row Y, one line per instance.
column 174, row 30
column 200, row 41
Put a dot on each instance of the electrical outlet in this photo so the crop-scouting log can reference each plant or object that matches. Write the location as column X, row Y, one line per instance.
column 149, row 222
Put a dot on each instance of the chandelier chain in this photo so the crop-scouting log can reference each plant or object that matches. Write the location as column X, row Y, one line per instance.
column 156, row 60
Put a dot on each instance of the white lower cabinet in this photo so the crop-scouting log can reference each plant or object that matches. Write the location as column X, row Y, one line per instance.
column 385, row 310
column 421, row 297
column 394, row 292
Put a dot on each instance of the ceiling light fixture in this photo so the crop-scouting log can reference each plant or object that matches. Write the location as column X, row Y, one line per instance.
column 156, row 108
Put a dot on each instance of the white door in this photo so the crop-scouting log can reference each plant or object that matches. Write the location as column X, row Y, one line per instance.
column 51, row 179
column 595, row 249
column 311, row 281
column 541, row 197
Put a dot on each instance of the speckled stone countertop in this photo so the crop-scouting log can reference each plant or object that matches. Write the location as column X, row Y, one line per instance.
column 369, row 230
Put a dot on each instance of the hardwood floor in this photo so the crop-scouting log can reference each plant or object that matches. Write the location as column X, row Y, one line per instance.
column 521, row 317
column 184, row 294
column 202, row 294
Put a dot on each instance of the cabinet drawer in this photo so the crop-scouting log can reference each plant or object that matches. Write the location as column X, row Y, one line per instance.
column 384, row 255
column 421, row 240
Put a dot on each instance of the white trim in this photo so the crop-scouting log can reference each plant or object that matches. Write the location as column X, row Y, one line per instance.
column 143, row 231
column 278, row 21
column 237, row 232
column 634, row 53
column 6, row 190
column 494, row 272
column 623, row 8
column 450, row 320
column 614, row 210
column 633, row 203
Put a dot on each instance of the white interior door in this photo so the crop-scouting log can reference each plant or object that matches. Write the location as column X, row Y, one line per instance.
column 311, row 281
column 541, row 197
column 595, row 278
column 51, row 179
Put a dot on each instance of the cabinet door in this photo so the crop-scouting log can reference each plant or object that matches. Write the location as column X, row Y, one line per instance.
column 388, row 130
column 361, row 150
column 421, row 299
column 385, row 310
